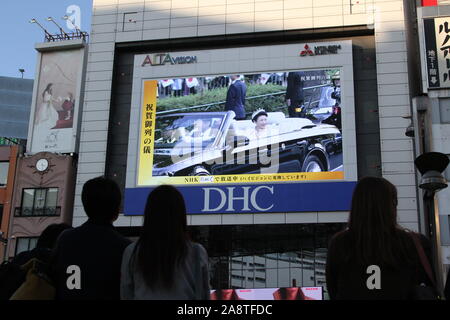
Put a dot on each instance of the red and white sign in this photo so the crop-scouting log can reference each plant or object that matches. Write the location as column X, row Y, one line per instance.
column 166, row 82
column 191, row 82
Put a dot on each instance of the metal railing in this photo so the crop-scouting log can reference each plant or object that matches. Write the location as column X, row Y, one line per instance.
column 207, row 106
column 66, row 36
column 37, row 212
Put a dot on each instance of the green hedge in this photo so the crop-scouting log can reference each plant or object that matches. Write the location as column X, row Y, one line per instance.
column 271, row 103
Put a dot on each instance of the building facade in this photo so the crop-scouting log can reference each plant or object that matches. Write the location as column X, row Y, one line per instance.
column 371, row 43
column 43, row 195
column 15, row 101
column 8, row 160
column 43, row 190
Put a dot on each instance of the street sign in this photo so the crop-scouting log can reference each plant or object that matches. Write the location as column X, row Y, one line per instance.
column 437, row 46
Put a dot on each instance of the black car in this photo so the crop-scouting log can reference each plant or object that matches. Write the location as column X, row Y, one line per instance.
column 213, row 143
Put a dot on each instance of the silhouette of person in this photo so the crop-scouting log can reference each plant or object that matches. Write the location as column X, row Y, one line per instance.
column 235, row 100
column 294, row 94
column 163, row 264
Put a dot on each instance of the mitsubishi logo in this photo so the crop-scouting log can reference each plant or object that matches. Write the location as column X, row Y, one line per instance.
column 307, row 51
column 320, row 50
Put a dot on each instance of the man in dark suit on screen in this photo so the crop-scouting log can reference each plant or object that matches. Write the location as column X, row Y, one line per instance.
column 294, row 94
column 236, row 97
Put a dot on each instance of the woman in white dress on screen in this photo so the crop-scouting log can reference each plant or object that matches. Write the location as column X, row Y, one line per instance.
column 47, row 115
column 259, row 118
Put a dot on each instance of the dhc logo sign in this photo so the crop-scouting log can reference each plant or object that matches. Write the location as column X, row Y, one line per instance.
column 216, row 199
column 253, row 198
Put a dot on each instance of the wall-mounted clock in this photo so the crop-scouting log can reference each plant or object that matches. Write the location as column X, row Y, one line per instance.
column 42, row 165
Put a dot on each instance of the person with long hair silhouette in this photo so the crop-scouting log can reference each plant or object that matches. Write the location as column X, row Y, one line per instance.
column 375, row 258
column 164, row 264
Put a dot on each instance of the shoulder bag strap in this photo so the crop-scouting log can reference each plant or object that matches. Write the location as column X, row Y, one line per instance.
column 197, row 272
column 132, row 267
column 423, row 258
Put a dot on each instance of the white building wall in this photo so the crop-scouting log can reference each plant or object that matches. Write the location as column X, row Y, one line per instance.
column 133, row 20
column 397, row 153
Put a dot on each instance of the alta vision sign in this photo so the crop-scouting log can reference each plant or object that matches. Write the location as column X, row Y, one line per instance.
column 161, row 59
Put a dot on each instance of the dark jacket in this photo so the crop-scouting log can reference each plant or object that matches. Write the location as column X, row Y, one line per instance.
column 236, row 99
column 96, row 248
column 347, row 278
column 294, row 90
column 43, row 254
column 12, row 276
column 335, row 119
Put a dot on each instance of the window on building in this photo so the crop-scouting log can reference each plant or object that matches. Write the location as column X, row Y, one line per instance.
column 25, row 244
column 4, row 167
column 39, row 202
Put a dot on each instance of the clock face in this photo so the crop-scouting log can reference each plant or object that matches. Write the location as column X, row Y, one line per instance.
column 42, row 165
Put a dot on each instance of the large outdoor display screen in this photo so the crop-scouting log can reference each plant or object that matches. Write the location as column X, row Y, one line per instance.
column 242, row 128
column 245, row 130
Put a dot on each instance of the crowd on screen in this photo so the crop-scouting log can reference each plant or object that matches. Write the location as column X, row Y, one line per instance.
column 178, row 87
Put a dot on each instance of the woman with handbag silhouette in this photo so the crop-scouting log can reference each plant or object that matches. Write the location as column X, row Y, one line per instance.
column 375, row 258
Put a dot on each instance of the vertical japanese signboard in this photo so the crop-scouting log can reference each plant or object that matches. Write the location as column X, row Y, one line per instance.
column 147, row 129
column 437, row 44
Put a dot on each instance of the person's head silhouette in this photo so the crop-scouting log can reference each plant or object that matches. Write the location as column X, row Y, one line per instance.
column 48, row 237
column 101, row 199
column 373, row 221
column 375, row 202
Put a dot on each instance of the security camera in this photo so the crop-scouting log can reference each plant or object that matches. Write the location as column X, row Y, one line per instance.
column 431, row 165
column 410, row 131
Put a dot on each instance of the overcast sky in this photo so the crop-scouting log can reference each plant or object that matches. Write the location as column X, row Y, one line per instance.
column 18, row 36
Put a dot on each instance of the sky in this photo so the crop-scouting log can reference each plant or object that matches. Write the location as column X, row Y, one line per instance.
column 18, row 37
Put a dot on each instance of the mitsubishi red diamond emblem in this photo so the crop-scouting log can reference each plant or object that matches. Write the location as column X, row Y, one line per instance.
column 307, row 51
